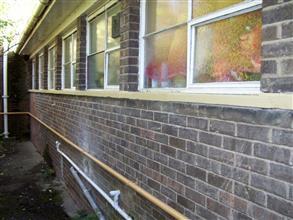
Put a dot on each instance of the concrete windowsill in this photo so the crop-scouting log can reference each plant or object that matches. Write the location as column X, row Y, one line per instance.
column 260, row 100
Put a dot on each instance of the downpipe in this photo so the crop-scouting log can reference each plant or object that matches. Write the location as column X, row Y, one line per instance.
column 5, row 96
column 114, row 194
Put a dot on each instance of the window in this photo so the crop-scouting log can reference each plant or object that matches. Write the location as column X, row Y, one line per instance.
column 209, row 44
column 51, row 67
column 104, row 49
column 33, row 73
column 41, row 70
column 69, row 61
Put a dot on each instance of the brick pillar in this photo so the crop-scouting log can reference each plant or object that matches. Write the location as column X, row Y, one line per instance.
column 277, row 46
column 129, row 27
column 81, row 53
column 37, row 71
column 58, row 63
column 45, row 74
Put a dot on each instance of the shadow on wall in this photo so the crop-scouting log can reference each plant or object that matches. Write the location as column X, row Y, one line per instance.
column 18, row 86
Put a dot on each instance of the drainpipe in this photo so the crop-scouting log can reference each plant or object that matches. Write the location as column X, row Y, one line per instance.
column 87, row 194
column 115, row 194
column 5, row 96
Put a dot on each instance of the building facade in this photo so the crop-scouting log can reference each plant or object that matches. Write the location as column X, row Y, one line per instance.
column 191, row 100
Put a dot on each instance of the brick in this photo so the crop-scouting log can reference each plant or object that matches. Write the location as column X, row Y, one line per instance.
column 195, row 196
column 205, row 213
column 185, row 180
column 167, row 192
column 269, row 185
column 154, row 185
column 186, row 203
column 170, row 151
column 278, row 13
column 196, row 148
column 155, row 126
column 283, row 137
column 147, row 115
column 218, row 208
column 281, row 206
column 210, row 139
column 206, row 189
column 291, row 192
column 186, row 157
column 177, row 142
column 222, row 156
column 240, row 216
column 177, row 164
column 168, row 171
column 250, row 194
column 234, row 173
column 269, row 33
column 286, row 67
column 170, row 130
column 197, row 123
column 253, row 132
column 282, row 172
column 268, row 66
column 162, row 117
column 276, row 85
column 188, row 134
column 234, row 202
column 272, row 152
column 222, row 127
column 253, row 164
column 287, row 29
column 237, row 145
column 176, row 186
column 196, row 172
column 177, row 120
column 220, row 182
column 278, row 49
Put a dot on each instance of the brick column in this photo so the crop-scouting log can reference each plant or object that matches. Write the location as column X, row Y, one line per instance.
column 45, row 74
column 58, row 63
column 37, row 71
column 81, row 53
column 277, row 46
column 129, row 27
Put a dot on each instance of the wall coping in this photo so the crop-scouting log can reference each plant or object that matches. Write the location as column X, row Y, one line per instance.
column 260, row 100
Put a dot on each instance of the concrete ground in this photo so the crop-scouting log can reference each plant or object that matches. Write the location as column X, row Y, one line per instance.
column 28, row 188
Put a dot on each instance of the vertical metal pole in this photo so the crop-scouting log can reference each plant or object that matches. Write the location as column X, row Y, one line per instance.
column 5, row 96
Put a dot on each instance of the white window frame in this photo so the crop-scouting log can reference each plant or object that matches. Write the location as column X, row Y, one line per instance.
column 69, row 34
column 33, row 73
column 51, row 87
column 41, row 70
column 245, row 87
column 106, row 51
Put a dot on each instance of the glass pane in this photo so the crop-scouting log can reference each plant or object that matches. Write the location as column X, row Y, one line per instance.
column 74, row 47
column 229, row 50
column 161, row 14
column 166, row 54
column 51, row 55
column 67, row 76
column 96, row 71
column 74, row 75
column 41, row 64
column 97, row 34
column 67, row 49
column 113, row 26
column 113, row 67
column 203, row 7
column 51, row 79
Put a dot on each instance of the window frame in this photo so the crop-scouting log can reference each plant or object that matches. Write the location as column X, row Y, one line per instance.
column 33, row 73
column 244, row 87
column 51, row 87
column 72, row 62
column 106, row 51
column 41, row 70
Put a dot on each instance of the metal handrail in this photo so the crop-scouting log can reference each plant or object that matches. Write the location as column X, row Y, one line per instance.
column 166, row 208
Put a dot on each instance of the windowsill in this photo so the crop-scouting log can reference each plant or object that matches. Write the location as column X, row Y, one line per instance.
column 260, row 100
